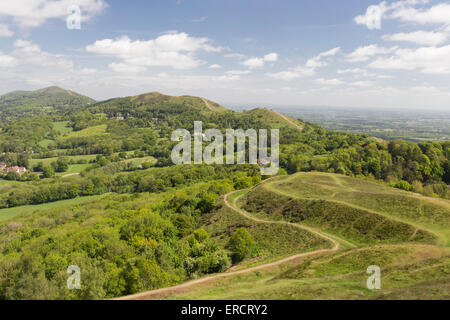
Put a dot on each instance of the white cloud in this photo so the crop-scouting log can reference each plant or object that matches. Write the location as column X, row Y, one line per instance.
column 33, row 13
column 318, row 61
column 271, row 57
column 235, row 55
column 362, row 54
column 426, row 38
column 125, row 68
column 373, row 16
column 358, row 72
column 238, row 72
column 429, row 60
column 438, row 14
column 354, row 70
column 7, row 61
column 30, row 53
column 284, row 75
column 255, row 62
column 405, row 11
column 362, row 83
column 5, row 31
column 331, row 82
column 174, row 50
column 215, row 66
column 307, row 70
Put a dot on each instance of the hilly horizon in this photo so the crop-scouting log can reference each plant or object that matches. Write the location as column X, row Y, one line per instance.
column 56, row 100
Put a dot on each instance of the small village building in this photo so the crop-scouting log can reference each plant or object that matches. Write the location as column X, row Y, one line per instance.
column 16, row 169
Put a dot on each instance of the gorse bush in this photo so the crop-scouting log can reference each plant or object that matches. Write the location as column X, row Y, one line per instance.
column 241, row 244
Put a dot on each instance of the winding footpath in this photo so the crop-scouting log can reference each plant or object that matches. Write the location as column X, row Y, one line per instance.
column 183, row 288
column 288, row 120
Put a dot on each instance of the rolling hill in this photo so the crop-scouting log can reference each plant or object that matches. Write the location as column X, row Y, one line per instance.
column 49, row 100
column 413, row 255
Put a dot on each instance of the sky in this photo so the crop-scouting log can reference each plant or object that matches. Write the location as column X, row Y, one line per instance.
column 352, row 53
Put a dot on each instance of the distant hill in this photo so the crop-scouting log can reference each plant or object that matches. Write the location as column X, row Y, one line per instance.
column 19, row 104
column 177, row 110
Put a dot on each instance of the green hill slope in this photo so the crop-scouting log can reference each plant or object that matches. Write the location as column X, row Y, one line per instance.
column 318, row 190
column 412, row 265
column 44, row 101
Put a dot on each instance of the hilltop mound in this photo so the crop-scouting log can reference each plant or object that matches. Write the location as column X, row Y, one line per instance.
column 153, row 98
column 357, row 210
column 275, row 119
column 49, row 100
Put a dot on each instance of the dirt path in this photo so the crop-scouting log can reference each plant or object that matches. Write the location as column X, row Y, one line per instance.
column 208, row 105
column 155, row 294
column 288, row 120
column 70, row 175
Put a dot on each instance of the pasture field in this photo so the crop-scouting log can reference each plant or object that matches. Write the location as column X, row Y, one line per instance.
column 10, row 213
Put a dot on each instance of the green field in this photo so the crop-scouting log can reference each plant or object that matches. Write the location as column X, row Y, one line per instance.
column 10, row 213
column 88, row 132
column 73, row 168
column 62, row 127
column 47, row 161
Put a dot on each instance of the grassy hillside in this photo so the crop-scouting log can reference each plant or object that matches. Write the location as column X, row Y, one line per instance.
column 408, row 272
column 412, row 267
column 272, row 241
column 40, row 102
column 430, row 215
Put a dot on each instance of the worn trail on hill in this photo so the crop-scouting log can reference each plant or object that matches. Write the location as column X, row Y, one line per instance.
column 163, row 292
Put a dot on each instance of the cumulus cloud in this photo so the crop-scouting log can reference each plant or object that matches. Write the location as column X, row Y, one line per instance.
column 238, row 72
column 358, row 72
column 255, row 62
column 405, row 11
column 7, row 61
column 328, row 82
column 426, row 38
column 430, row 60
column 30, row 53
column 235, row 55
column 271, row 57
column 284, row 75
column 5, row 31
column 215, row 66
column 307, row 70
column 438, row 14
column 373, row 16
column 319, row 61
column 174, row 50
column 125, row 68
column 362, row 83
column 362, row 54
column 34, row 13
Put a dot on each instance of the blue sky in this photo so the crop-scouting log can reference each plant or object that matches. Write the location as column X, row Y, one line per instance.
column 393, row 54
